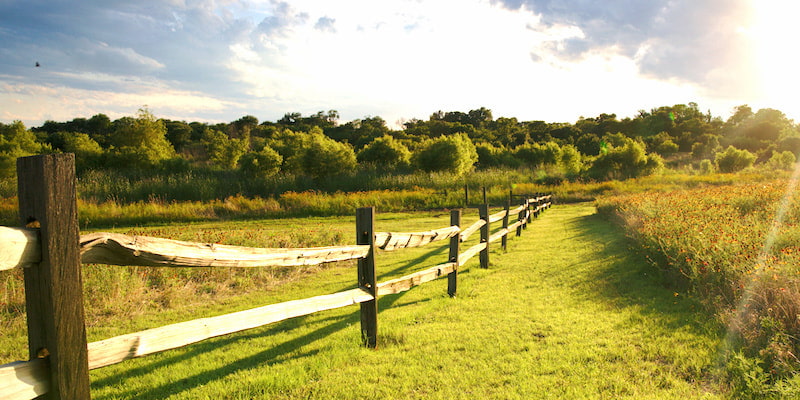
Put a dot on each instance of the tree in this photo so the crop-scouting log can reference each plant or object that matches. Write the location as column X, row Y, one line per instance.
column 327, row 157
column 454, row 153
column 17, row 141
column 385, row 151
column 222, row 150
column 263, row 163
column 141, row 141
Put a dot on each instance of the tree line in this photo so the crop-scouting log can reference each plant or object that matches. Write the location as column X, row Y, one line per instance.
column 319, row 146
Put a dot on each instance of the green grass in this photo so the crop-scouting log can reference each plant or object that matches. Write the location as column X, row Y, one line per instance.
column 568, row 312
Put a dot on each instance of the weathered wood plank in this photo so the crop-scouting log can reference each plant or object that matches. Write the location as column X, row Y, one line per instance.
column 47, row 195
column 497, row 216
column 119, row 249
column 120, row 348
column 417, row 278
column 19, row 247
column 517, row 210
column 24, row 380
column 465, row 256
column 515, row 225
column 465, row 234
column 498, row 235
column 400, row 240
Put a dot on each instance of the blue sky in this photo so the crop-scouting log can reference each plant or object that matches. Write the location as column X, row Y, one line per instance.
column 552, row 60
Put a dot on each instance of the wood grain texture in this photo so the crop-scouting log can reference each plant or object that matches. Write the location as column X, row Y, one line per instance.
column 417, row 278
column 120, row 348
column 19, row 247
column 465, row 256
column 498, row 235
column 46, row 188
column 465, row 234
column 24, row 380
column 497, row 216
column 119, row 249
column 400, row 240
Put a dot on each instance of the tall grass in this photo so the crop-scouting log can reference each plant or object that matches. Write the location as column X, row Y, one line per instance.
column 725, row 245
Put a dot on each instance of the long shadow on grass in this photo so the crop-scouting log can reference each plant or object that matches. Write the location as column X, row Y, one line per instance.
column 627, row 279
column 261, row 359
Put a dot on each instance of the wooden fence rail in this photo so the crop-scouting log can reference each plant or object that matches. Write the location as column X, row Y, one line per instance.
column 60, row 358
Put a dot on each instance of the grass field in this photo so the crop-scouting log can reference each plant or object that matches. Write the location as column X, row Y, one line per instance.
column 568, row 312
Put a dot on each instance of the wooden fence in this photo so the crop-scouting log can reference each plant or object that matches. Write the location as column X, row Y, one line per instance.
column 51, row 250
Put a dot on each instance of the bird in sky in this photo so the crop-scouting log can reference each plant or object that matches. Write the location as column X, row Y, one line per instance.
column 37, row 64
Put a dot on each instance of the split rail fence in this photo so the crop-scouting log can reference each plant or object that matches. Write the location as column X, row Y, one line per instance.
column 50, row 250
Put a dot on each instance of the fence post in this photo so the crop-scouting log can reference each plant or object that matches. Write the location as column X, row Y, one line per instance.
column 53, row 288
column 504, row 239
column 521, row 218
column 455, row 248
column 367, row 278
column 483, row 211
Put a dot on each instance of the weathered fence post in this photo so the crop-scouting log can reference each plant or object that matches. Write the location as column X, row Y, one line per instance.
column 455, row 248
column 504, row 239
column 54, row 288
column 521, row 217
column 367, row 278
column 483, row 212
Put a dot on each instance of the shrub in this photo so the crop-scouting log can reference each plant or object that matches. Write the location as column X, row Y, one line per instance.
column 385, row 151
column 454, row 153
column 706, row 167
column 628, row 160
column 784, row 160
column 327, row 157
column 733, row 159
column 263, row 163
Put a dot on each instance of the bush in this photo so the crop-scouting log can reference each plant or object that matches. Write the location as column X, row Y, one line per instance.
column 733, row 159
column 327, row 157
column 454, row 154
column 385, row 151
column 784, row 160
column 628, row 160
column 263, row 163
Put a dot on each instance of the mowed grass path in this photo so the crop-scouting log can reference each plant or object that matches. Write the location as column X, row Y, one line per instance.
column 568, row 312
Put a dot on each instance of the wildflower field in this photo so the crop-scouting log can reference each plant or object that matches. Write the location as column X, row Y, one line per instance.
column 737, row 248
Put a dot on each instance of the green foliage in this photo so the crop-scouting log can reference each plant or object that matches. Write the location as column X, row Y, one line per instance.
column 17, row 141
column 386, row 152
column 224, row 151
column 707, row 167
column 141, row 141
column 733, row 159
column 784, row 160
column 326, row 157
column 454, row 153
column 538, row 155
column 87, row 151
column 570, row 161
column 263, row 163
column 626, row 159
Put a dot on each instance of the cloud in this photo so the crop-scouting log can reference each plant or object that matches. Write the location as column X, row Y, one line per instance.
column 688, row 40
column 326, row 24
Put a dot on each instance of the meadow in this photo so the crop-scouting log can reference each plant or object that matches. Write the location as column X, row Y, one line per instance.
column 711, row 274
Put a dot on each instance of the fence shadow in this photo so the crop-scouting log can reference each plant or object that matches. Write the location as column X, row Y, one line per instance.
column 271, row 356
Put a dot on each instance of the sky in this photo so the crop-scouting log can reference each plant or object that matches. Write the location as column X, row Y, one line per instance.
column 550, row 60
